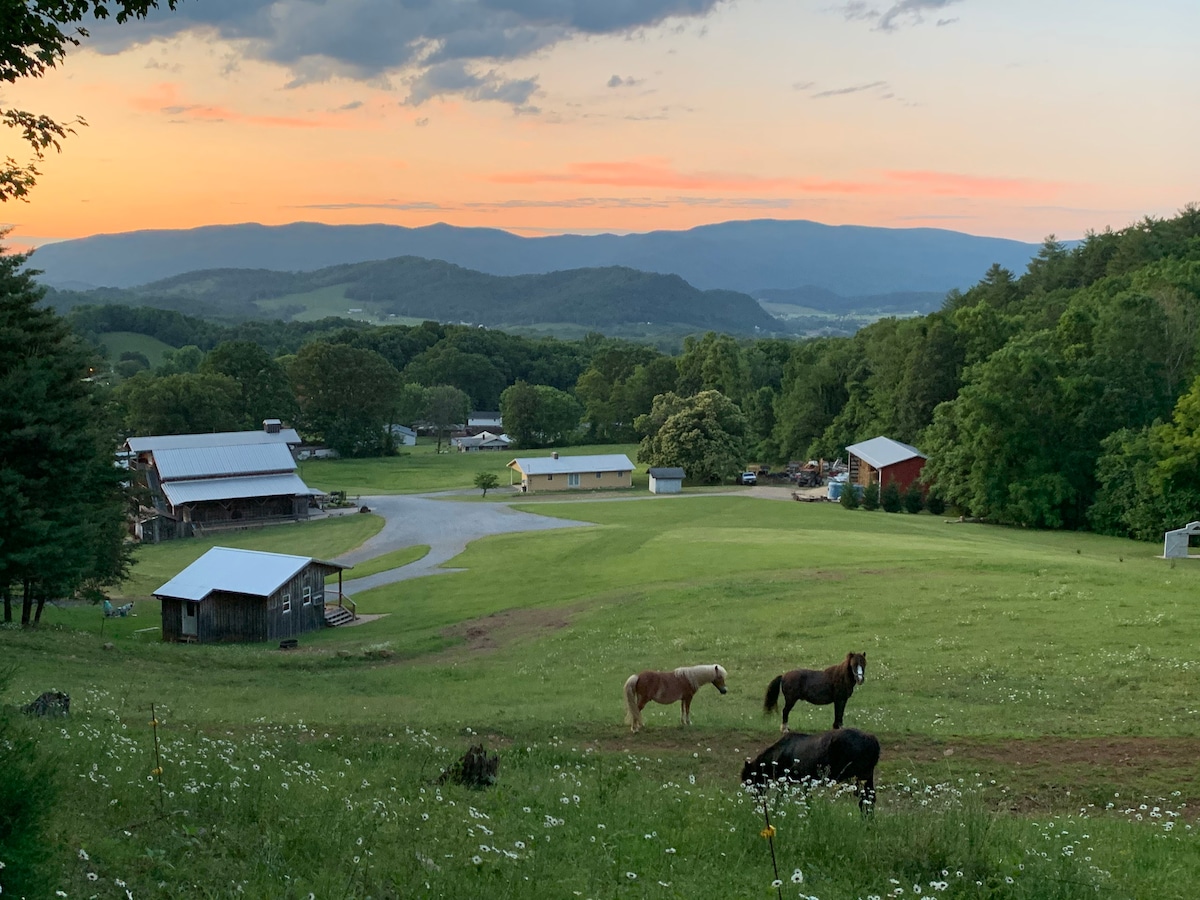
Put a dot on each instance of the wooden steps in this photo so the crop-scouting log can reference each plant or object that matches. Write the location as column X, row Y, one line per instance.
column 338, row 615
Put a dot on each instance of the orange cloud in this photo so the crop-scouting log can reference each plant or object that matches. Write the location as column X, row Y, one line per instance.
column 659, row 173
column 165, row 98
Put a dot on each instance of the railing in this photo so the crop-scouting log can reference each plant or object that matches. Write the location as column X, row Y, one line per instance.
column 341, row 600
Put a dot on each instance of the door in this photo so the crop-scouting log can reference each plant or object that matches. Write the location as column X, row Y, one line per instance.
column 189, row 619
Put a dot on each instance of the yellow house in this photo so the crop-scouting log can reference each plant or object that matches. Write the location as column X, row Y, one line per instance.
column 555, row 473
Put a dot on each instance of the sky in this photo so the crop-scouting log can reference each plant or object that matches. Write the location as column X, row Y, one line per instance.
column 1013, row 118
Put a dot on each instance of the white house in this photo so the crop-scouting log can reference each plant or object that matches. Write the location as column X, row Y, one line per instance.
column 666, row 480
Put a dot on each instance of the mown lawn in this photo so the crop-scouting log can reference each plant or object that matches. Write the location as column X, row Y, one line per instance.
column 1032, row 693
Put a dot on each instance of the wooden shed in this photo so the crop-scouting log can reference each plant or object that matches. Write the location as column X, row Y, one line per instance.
column 230, row 595
column 555, row 473
column 666, row 479
column 882, row 459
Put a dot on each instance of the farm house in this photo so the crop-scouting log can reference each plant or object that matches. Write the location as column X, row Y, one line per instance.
column 555, row 473
column 881, row 460
column 230, row 595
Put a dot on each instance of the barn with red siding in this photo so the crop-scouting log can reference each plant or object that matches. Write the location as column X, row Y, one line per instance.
column 881, row 460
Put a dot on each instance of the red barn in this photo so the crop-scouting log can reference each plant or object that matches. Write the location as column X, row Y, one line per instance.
column 881, row 460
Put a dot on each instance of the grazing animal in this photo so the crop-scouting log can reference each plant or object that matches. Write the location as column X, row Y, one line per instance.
column 667, row 687
column 844, row 754
column 820, row 686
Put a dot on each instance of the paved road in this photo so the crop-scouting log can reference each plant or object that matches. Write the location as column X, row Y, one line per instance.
column 445, row 525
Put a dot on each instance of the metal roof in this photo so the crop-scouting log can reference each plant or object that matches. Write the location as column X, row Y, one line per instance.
column 237, row 571
column 881, row 452
column 210, row 462
column 548, row 465
column 667, row 472
column 217, row 439
column 290, row 485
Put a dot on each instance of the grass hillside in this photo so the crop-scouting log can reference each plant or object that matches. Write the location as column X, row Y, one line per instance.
column 118, row 342
column 1035, row 695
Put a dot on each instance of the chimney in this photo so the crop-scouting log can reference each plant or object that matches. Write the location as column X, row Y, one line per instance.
column 554, row 455
column 272, row 426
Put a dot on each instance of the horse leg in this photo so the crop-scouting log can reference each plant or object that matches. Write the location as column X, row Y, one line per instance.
column 839, row 708
column 787, row 708
column 866, row 799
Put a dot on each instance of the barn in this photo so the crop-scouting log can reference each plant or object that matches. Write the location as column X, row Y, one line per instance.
column 555, row 473
column 881, row 460
column 666, row 479
column 231, row 595
column 197, row 483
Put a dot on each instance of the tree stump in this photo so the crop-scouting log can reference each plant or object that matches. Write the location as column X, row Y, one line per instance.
column 51, row 703
column 476, row 769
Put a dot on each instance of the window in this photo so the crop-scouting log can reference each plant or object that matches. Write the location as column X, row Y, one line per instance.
column 549, row 477
column 573, row 479
column 307, row 595
column 287, row 603
column 599, row 474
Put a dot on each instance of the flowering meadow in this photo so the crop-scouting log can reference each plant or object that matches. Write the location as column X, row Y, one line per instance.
column 1035, row 697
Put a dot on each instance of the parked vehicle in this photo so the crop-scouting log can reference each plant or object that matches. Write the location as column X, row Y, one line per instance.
column 747, row 478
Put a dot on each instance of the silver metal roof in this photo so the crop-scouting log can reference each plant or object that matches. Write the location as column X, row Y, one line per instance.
column 239, row 571
column 209, row 462
column 667, row 472
column 217, row 439
column 548, row 465
column 289, row 485
column 881, row 452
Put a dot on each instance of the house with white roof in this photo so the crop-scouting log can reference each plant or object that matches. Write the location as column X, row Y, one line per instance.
column 200, row 482
column 569, row 473
column 230, row 595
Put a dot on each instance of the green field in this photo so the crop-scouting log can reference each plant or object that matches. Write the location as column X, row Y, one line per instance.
column 1036, row 696
column 118, row 342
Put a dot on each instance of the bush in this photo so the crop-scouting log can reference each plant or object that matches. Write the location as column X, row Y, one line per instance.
column 890, row 498
column 914, row 499
column 870, row 499
column 849, row 497
column 27, row 793
column 935, row 504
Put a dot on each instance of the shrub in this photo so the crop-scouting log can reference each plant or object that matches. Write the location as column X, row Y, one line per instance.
column 914, row 499
column 935, row 504
column 890, row 498
column 27, row 793
column 870, row 499
column 849, row 498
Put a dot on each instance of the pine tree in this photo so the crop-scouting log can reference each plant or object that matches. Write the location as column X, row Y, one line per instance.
column 62, row 504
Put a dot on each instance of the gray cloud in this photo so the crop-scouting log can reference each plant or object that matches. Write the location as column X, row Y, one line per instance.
column 628, row 81
column 371, row 39
column 852, row 89
column 901, row 12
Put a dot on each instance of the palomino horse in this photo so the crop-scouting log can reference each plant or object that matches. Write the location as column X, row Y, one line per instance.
column 667, row 687
column 846, row 754
column 820, row 686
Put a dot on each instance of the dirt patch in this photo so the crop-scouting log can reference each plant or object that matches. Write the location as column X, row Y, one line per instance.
column 501, row 629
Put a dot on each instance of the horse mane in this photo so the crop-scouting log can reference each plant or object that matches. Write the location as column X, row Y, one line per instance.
column 698, row 676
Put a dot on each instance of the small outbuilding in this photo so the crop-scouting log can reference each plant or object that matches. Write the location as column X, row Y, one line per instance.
column 881, row 460
column 555, row 473
column 1177, row 543
column 666, row 480
column 231, row 595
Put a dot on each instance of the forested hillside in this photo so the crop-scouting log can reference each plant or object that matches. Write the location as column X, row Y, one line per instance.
column 411, row 287
column 1063, row 396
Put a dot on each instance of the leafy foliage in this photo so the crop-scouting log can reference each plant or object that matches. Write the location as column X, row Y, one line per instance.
column 704, row 434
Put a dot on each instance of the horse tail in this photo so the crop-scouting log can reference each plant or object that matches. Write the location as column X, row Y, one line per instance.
column 632, row 718
column 772, row 698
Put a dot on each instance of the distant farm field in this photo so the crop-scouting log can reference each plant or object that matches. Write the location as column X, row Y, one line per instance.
column 1036, row 695
column 118, row 342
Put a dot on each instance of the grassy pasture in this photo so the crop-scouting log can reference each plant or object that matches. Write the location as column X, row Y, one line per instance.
column 118, row 342
column 1036, row 695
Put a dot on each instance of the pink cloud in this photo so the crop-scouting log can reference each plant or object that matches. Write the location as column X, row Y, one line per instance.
column 165, row 98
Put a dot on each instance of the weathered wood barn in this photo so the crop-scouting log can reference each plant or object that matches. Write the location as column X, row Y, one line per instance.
column 881, row 460
column 230, row 595
column 555, row 473
column 194, row 483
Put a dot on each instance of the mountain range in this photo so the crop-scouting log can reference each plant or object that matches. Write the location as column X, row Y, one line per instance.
column 750, row 257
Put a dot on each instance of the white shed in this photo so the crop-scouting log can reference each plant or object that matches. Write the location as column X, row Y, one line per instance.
column 666, row 480
column 1176, row 543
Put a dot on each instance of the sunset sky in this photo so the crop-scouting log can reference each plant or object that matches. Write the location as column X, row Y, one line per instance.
column 1015, row 118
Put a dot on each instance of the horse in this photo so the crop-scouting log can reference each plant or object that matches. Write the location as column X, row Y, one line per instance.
column 667, row 687
column 832, row 685
column 842, row 755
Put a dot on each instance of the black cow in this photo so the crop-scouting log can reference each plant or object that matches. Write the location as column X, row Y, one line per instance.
column 844, row 754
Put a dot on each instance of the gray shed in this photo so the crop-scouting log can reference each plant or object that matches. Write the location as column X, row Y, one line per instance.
column 666, row 480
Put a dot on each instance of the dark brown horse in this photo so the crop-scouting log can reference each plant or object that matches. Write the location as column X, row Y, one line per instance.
column 820, row 686
column 843, row 755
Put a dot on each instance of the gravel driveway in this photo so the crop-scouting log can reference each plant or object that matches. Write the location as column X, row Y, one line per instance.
column 446, row 526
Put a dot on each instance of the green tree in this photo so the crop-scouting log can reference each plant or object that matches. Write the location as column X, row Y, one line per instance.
column 184, row 361
column 412, row 400
column 486, row 481
column 448, row 406
column 890, row 498
column 537, row 415
column 62, row 504
column 705, row 435
column 266, row 391
column 870, row 497
column 346, row 395
column 914, row 498
column 849, row 498
column 472, row 373
column 36, row 37
column 179, row 404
